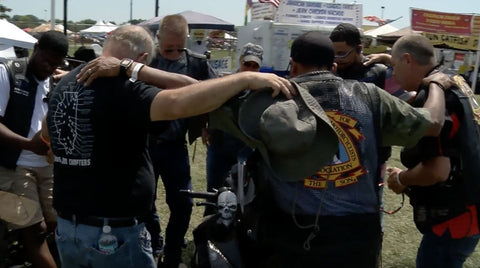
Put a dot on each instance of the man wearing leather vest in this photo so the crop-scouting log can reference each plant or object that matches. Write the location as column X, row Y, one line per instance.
column 168, row 148
column 433, row 178
column 331, row 219
column 23, row 167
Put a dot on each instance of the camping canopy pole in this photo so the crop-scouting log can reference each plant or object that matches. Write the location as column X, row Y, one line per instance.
column 475, row 71
column 52, row 15
column 65, row 17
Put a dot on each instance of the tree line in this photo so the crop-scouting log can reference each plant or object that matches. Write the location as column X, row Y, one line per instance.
column 32, row 21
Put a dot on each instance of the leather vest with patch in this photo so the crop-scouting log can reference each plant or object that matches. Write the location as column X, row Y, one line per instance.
column 349, row 184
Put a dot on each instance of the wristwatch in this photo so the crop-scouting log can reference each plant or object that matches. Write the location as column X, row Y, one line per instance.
column 135, row 71
column 124, row 65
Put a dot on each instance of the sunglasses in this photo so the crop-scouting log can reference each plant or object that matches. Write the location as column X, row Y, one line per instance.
column 250, row 64
column 391, row 212
column 344, row 55
column 170, row 50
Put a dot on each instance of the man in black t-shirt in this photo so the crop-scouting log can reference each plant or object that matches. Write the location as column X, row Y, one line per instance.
column 98, row 132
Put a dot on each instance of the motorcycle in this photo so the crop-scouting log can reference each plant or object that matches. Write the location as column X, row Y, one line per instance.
column 223, row 239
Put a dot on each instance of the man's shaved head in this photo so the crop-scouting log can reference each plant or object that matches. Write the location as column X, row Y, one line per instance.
column 172, row 37
column 173, row 24
column 418, row 46
column 412, row 60
column 129, row 42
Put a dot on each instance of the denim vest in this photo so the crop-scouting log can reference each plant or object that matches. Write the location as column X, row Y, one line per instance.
column 350, row 184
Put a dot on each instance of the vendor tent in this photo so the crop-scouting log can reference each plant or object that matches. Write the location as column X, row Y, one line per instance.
column 393, row 36
column 385, row 29
column 47, row 27
column 11, row 35
column 7, row 51
column 195, row 20
column 100, row 28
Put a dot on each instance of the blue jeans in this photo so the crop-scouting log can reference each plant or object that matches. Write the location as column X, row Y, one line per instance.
column 444, row 251
column 78, row 246
column 170, row 161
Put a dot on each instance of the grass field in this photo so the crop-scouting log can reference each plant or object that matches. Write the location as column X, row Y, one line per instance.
column 401, row 237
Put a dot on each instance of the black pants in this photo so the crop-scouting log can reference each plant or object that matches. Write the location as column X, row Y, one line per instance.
column 340, row 241
column 170, row 161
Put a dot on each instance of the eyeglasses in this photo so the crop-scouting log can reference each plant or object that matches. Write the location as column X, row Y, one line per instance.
column 170, row 50
column 250, row 64
column 344, row 55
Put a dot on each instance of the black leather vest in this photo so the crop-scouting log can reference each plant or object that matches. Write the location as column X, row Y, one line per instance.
column 444, row 200
column 18, row 114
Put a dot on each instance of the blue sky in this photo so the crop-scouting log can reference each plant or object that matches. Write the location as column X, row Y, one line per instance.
column 229, row 10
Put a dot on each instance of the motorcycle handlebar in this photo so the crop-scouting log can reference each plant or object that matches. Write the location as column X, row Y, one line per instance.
column 204, row 195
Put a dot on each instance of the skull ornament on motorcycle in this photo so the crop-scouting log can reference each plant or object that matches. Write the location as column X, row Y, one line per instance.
column 227, row 207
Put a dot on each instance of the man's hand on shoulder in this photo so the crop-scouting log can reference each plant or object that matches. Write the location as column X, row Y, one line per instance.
column 260, row 81
column 378, row 58
column 99, row 67
column 444, row 81
column 59, row 74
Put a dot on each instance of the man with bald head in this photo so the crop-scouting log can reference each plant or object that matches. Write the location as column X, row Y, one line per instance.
column 104, row 184
column 434, row 176
column 168, row 149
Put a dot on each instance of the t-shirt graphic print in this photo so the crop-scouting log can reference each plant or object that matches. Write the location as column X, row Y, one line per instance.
column 71, row 125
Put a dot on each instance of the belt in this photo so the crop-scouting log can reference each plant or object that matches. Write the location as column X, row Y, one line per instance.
column 99, row 221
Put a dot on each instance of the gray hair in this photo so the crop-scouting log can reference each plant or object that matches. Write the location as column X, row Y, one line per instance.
column 137, row 40
column 416, row 45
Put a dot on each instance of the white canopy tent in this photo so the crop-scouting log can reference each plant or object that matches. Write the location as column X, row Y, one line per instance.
column 11, row 35
column 384, row 29
column 100, row 28
column 7, row 51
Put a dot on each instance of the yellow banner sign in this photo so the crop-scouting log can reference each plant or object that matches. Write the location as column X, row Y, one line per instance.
column 374, row 49
column 476, row 25
column 454, row 41
column 198, row 34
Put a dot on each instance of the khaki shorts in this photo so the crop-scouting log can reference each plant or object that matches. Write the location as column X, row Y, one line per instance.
column 35, row 187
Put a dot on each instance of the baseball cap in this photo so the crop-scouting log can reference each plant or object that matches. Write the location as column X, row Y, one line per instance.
column 252, row 52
